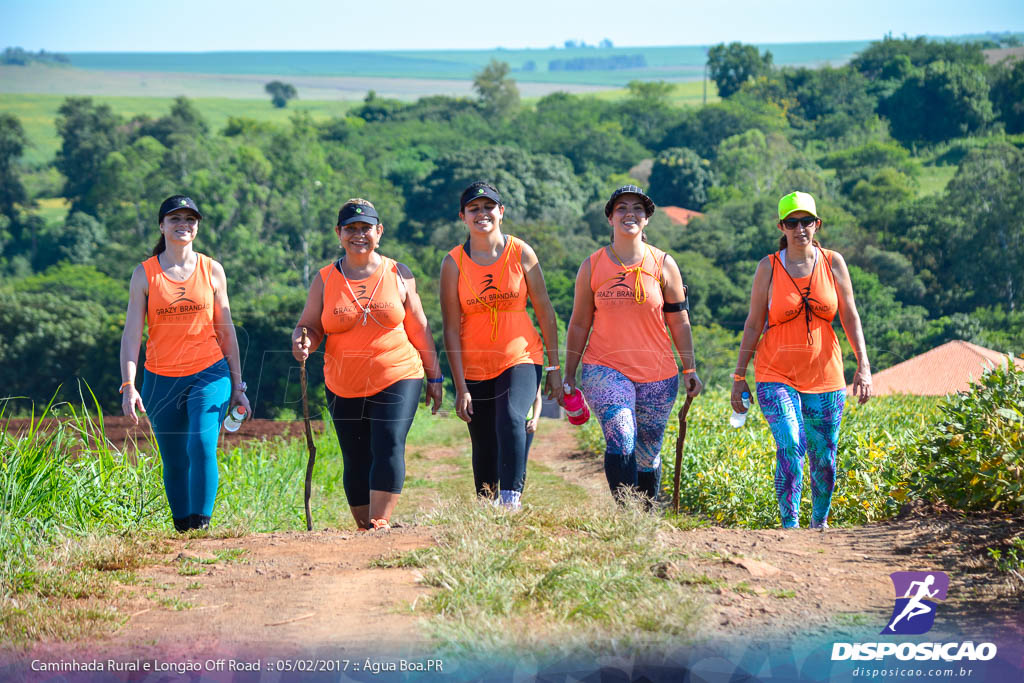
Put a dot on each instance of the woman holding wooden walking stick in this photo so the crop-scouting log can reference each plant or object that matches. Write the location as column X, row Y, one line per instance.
column 378, row 345
column 626, row 294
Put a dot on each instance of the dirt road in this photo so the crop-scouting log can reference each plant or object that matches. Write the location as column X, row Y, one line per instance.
column 303, row 593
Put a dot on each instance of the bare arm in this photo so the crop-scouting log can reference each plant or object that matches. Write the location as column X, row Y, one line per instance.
column 538, row 293
column 752, row 330
column 850, row 320
column 679, row 325
column 310, row 319
column 418, row 330
column 131, row 340
column 451, row 322
column 579, row 324
column 226, row 337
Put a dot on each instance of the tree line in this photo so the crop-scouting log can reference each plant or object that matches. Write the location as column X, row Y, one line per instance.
column 927, row 267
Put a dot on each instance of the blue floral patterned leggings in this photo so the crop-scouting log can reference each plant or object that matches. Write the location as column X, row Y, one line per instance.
column 633, row 417
column 803, row 423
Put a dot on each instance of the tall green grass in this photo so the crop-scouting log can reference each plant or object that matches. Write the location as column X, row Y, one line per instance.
column 727, row 475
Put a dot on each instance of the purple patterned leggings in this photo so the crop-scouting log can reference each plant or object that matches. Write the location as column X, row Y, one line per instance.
column 633, row 417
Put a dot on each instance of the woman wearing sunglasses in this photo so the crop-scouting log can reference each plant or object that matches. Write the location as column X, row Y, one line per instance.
column 798, row 366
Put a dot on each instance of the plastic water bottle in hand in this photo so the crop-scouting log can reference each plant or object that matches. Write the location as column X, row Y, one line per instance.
column 738, row 419
column 575, row 407
column 234, row 419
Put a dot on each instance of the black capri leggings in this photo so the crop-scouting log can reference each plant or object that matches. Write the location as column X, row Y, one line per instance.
column 371, row 432
column 498, row 428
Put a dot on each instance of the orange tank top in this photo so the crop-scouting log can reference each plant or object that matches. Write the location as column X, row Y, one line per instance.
column 495, row 329
column 799, row 347
column 629, row 325
column 182, row 340
column 367, row 347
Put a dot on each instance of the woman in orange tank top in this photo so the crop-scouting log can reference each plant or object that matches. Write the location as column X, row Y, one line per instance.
column 493, row 349
column 626, row 294
column 193, row 374
column 378, row 345
column 798, row 366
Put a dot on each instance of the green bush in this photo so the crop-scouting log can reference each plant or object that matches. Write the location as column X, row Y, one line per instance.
column 727, row 474
column 973, row 459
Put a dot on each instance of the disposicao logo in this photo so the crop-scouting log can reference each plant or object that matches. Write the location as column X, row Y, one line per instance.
column 916, row 596
column 913, row 613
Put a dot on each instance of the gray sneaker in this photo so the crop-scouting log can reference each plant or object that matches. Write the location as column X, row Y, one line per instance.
column 820, row 526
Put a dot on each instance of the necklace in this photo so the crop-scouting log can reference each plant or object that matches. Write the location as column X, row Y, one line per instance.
column 355, row 300
column 639, row 291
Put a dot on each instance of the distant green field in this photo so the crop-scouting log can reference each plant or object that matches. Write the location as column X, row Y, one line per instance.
column 668, row 63
column 38, row 112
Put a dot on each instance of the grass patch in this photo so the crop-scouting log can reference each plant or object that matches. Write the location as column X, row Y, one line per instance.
column 550, row 580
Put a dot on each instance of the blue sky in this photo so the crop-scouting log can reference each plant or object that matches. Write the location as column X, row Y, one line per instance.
column 204, row 25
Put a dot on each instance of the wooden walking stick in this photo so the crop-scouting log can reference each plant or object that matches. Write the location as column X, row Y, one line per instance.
column 309, row 435
column 680, row 438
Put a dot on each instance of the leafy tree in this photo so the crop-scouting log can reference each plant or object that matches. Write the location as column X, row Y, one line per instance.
column 183, row 121
column 987, row 197
column 88, row 132
column 681, row 178
column 12, row 145
column 830, row 102
column 538, row 187
column 943, row 100
column 1008, row 95
column 733, row 65
column 499, row 96
column 280, row 93
column 703, row 129
column 650, row 92
column 752, row 162
column 83, row 240
column 878, row 60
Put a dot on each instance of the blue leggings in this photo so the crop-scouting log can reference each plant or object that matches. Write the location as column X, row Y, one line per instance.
column 186, row 413
column 633, row 417
column 803, row 423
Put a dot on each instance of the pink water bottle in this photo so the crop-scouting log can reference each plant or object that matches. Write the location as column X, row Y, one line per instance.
column 575, row 407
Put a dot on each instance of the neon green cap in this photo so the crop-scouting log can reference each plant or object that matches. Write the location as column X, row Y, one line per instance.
column 797, row 201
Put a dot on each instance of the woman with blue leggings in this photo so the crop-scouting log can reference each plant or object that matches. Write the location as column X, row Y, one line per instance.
column 797, row 292
column 192, row 373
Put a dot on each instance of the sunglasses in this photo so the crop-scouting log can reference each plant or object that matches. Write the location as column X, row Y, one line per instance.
column 805, row 221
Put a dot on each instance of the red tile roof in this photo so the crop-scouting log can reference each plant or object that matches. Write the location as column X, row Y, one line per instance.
column 679, row 215
column 943, row 370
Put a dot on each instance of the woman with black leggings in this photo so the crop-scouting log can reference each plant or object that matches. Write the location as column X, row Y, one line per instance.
column 378, row 344
column 494, row 351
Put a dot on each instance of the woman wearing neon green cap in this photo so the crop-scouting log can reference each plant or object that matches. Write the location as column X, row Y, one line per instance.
column 798, row 364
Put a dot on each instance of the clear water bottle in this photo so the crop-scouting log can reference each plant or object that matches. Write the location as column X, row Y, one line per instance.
column 738, row 419
column 575, row 407
column 234, row 419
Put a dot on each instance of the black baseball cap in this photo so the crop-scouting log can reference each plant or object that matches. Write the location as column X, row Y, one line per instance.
column 476, row 191
column 649, row 206
column 178, row 201
column 357, row 213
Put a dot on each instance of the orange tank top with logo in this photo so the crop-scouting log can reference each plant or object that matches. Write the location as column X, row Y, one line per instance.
column 629, row 332
column 495, row 330
column 367, row 348
column 799, row 348
column 182, row 340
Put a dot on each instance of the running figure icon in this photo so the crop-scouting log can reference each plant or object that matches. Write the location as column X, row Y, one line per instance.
column 917, row 594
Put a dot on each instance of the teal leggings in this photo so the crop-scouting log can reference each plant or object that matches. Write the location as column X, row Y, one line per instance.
column 186, row 413
column 803, row 424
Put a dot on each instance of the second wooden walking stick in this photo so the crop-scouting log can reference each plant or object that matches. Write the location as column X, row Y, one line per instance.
column 680, row 438
column 309, row 434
